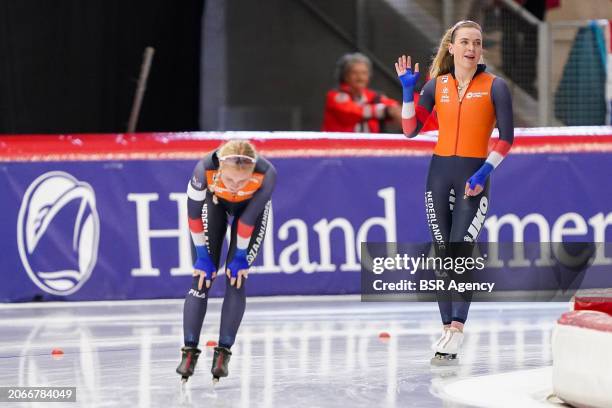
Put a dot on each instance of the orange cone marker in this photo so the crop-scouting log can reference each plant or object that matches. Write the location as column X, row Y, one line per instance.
column 384, row 336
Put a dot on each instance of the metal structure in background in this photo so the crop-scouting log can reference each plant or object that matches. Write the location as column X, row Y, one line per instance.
column 266, row 118
column 213, row 64
column 448, row 12
column 525, row 62
column 425, row 15
column 545, row 116
column 147, row 59
column 359, row 40
column 576, row 82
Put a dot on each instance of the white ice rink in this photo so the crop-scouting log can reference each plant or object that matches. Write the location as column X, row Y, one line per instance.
column 290, row 352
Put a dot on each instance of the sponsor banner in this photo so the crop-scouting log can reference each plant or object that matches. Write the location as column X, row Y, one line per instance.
column 89, row 230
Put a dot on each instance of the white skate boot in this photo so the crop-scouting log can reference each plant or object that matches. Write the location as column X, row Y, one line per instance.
column 438, row 343
column 447, row 348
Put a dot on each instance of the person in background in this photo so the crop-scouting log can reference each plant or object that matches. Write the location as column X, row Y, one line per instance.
column 352, row 106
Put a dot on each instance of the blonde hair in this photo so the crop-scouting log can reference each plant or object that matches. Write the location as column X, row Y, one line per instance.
column 237, row 148
column 233, row 149
column 443, row 61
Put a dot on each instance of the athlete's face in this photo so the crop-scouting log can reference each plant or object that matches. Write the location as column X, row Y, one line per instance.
column 357, row 76
column 466, row 47
column 234, row 178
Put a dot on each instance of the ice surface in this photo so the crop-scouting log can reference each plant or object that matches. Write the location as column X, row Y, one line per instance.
column 290, row 352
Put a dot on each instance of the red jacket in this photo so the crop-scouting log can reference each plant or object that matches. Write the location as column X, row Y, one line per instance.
column 343, row 114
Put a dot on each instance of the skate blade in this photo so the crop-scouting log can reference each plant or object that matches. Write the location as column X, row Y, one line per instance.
column 215, row 380
column 184, row 380
column 443, row 362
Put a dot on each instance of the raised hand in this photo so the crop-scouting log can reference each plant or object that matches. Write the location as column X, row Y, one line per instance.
column 403, row 67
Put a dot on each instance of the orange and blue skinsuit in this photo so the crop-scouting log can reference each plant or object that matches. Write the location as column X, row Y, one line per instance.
column 211, row 206
column 461, row 155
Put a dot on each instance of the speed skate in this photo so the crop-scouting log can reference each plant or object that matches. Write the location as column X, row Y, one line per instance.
column 447, row 347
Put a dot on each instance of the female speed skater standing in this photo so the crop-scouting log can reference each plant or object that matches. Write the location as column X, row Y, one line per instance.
column 232, row 181
column 468, row 101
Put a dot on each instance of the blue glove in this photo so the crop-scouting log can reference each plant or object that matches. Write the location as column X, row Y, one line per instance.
column 480, row 177
column 408, row 81
column 238, row 262
column 204, row 262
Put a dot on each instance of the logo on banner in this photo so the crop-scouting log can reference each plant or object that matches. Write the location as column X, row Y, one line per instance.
column 58, row 231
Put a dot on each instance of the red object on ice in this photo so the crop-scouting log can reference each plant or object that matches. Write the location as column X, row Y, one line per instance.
column 384, row 335
column 57, row 353
column 211, row 343
column 600, row 303
column 587, row 319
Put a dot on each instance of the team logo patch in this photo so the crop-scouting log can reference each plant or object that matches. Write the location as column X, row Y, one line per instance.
column 197, row 294
column 445, row 79
column 478, row 221
column 195, row 182
column 58, row 231
column 470, row 95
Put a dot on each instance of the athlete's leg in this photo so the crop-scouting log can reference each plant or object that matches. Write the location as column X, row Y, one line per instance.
column 234, row 301
column 468, row 218
column 438, row 207
column 196, row 301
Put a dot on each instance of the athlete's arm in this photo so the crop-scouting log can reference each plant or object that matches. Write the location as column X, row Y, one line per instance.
column 502, row 101
column 414, row 118
column 196, row 193
column 505, row 122
column 238, row 266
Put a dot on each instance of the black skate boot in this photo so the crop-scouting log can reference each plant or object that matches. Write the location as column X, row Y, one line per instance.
column 188, row 362
column 219, row 364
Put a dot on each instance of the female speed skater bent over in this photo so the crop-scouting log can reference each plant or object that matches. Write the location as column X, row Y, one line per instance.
column 231, row 183
column 468, row 101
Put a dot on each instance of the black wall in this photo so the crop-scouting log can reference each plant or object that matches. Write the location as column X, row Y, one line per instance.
column 70, row 66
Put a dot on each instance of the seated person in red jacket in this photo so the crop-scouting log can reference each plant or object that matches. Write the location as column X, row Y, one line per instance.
column 352, row 107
